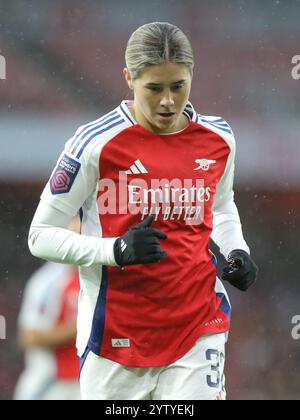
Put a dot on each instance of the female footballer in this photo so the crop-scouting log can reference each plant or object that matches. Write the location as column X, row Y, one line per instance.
column 153, row 182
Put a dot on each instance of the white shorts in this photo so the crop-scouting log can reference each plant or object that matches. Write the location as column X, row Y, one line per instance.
column 199, row 375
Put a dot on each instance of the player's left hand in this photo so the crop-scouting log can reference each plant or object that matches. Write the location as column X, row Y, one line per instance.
column 241, row 271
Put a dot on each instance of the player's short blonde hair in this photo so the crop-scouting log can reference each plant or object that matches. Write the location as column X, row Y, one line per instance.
column 157, row 43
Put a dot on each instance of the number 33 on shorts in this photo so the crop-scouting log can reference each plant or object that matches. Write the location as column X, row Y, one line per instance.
column 216, row 379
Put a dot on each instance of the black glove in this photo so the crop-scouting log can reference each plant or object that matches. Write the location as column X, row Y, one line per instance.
column 140, row 245
column 241, row 271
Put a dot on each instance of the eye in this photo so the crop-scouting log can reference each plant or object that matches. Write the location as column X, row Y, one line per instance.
column 177, row 87
column 154, row 88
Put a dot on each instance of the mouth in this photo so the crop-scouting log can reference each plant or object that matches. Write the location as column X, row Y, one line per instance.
column 166, row 115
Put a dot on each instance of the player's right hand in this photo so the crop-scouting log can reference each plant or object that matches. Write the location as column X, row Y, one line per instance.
column 140, row 245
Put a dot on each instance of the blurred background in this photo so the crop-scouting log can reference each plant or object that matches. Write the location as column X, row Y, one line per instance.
column 64, row 62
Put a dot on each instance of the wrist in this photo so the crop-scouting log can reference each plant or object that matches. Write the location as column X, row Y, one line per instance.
column 236, row 252
column 116, row 252
column 106, row 252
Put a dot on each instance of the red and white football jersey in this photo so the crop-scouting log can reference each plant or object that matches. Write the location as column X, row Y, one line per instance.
column 115, row 172
column 50, row 299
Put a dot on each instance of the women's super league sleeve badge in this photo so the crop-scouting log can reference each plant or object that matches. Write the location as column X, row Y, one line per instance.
column 64, row 175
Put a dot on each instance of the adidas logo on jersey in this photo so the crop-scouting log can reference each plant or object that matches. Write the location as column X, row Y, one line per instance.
column 120, row 342
column 137, row 168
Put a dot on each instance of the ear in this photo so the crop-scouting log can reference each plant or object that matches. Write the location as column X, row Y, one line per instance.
column 128, row 78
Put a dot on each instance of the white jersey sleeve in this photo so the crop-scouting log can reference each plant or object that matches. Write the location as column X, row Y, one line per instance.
column 73, row 184
column 50, row 239
column 227, row 229
column 73, row 179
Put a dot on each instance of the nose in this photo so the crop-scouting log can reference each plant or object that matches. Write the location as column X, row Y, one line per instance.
column 167, row 99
